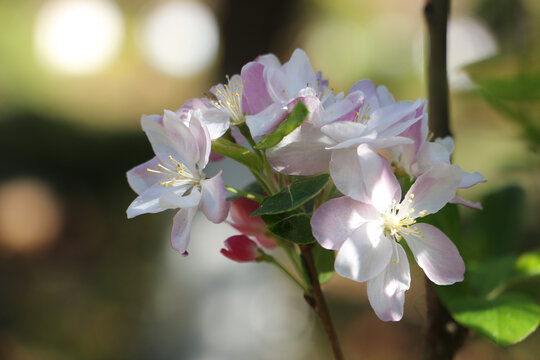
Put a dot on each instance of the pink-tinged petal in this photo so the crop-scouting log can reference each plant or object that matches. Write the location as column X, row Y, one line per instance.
column 370, row 92
column 147, row 202
column 345, row 130
column 213, row 202
column 392, row 120
column 240, row 248
column 335, row 220
column 388, row 142
column 180, row 197
column 385, row 97
column 266, row 242
column 267, row 120
column 187, row 149
column 471, row 179
column 202, row 138
column 269, row 60
column 140, row 179
column 240, row 212
column 158, row 137
column 436, row 254
column 365, row 176
column 216, row 157
column 418, row 133
column 365, row 254
column 460, row 201
column 255, row 97
column 181, row 229
column 216, row 121
column 386, row 292
column 302, row 152
column 344, row 110
column 430, row 154
column 432, row 190
column 299, row 73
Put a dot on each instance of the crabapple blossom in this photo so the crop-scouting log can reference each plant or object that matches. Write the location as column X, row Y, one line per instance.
column 368, row 237
column 174, row 178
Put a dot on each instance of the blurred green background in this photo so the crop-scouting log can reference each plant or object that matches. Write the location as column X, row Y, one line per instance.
column 79, row 281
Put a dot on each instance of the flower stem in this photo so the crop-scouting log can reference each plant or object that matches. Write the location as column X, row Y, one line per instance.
column 315, row 299
column 272, row 260
column 244, row 194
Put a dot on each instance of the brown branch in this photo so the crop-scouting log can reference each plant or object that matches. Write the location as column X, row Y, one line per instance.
column 444, row 336
column 316, row 300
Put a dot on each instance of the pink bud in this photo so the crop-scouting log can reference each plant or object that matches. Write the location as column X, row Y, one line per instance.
column 241, row 248
column 252, row 226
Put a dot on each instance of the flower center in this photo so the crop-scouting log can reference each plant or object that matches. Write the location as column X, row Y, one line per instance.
column 363, row 114
column 229, row 99
column 175, row 174
column 394, row 224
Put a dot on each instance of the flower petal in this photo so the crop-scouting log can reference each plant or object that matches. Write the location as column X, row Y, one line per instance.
column 335, row 220
column 158, row 137
column 267, row 120
column 365, row 176
column 386, row 291
column 255, row 97
column 187, row 149
column 436, row 254
column 302, row 152
column 471, row 179
column 432, row 190
column 213, row 202
column 365, row 254
column 460, row 201
column 240, row 248
column 299, row 72
column 147, row 202
column 181, row 229
column 177, row 198
column 140, row 179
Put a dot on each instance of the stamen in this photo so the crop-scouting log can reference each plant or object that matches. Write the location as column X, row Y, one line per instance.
column 229, row 99
column 175, row 173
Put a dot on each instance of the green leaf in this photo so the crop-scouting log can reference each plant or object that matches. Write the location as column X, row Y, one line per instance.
column 236, row 152
column 295, row 119
column 505, row 320
column 292, row 227
column 528, row 264
column 324, row 262
column 293, row 196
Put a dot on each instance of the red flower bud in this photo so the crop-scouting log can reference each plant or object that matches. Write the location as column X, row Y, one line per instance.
column 241, row 208
column 241, row 248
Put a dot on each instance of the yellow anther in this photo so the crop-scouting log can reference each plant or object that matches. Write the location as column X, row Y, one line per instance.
column 423, row 213
column 394, row 261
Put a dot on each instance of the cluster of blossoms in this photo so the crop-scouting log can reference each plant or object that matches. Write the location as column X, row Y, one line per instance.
column 369, row 144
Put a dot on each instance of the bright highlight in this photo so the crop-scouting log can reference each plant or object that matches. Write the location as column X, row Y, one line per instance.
column 78, row 37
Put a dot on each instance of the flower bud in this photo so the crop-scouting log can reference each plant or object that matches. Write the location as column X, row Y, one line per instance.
column 240, row 248
column 241, row 208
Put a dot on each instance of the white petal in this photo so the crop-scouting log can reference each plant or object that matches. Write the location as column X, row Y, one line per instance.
column 299, row 73
column 147, row 202
column 365, row 254
column 186, row 144
column 178, row 199
column 267, row 120
column 385, row 97
column 302, row 152
column 213, row 203
column 471, row 179
column 336, row 219
column 160, row 141
column 365, row 176
column 436, row 255
column 140, row 179
column 181, row 229
column 386, row 292
column 460, row 201
column 432, row 190
column 342, row 131
column 202, row 139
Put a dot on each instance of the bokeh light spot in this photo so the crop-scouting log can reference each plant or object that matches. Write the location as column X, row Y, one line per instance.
column 78, row 37
column 180, row 38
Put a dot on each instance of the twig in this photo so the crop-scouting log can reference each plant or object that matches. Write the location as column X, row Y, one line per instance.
column 316, row 300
